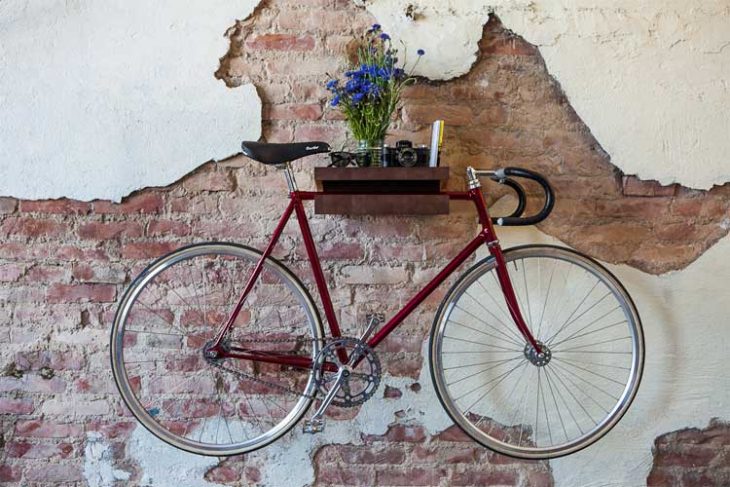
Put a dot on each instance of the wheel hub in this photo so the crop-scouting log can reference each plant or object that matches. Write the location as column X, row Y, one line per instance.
column 538, row 359
column 210, row 354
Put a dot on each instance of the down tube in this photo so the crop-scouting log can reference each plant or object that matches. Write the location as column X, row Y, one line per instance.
column 428, row 289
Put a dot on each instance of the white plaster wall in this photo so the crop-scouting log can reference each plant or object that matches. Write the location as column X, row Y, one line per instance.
column 98, row 99
column 650, row 78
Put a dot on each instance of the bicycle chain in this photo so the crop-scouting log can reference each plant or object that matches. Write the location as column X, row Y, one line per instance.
column 244, row 375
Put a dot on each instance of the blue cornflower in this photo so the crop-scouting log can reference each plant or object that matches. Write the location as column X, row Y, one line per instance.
column 385, row 36
column 352, row 86
column 357, row 97
column 376, row 27
column 332, row 84
column 420, row 52
column 335, row 100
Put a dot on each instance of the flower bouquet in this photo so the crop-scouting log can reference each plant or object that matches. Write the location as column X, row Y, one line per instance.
column 370, row 91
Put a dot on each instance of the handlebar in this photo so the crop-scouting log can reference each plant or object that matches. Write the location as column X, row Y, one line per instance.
column 503, row 176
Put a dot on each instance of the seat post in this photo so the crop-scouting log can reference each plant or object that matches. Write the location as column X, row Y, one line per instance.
column 290, row 181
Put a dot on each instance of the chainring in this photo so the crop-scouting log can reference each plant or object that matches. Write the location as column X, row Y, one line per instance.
column 363, row 380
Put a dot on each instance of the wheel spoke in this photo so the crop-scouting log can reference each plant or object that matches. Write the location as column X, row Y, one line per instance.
column 208, row 404
column 514, row 401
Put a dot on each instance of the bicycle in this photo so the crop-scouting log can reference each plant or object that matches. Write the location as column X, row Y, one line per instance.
column 217, row 367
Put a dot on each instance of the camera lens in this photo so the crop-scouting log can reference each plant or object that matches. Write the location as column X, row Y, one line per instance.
column 407, row 157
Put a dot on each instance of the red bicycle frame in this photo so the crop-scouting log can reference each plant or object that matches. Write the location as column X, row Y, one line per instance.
column 486, row 237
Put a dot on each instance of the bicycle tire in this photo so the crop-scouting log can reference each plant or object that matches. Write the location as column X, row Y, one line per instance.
column 503, row 427
column 247, row 393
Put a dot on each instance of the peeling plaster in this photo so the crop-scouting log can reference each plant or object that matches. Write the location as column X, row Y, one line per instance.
column 102, row 98
column 99, row 468
column 164, row 466
column 648, row 78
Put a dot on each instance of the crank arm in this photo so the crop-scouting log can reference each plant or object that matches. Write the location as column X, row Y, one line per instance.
column 330, row 395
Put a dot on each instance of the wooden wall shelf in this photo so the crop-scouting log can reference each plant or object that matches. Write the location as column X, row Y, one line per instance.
column 381, row 191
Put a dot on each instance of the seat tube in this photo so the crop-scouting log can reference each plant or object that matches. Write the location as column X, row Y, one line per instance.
column 501, row 266
column 319, row 278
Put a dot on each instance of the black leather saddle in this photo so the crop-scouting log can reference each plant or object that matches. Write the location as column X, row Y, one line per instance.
column 281, row 153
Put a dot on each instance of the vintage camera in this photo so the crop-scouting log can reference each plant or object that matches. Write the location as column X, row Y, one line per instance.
column 405, row 155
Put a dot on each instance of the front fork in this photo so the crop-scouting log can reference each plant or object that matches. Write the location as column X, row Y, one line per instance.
column 492, row 243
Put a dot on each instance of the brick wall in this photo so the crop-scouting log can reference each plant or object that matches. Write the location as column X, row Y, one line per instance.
column 64, row 263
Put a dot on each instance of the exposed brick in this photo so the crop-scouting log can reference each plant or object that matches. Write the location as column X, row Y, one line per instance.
column 633, row 186
column 81, row 293
column 60, row 206
column 223, row 474
column 32, row 227
column 55, row 473
column 46, row 429
column 210, row 180
column 409, row 476
column 484, row 478
column 149, row 203
column 345, row 475
column 281, row 42
column 10, row 473
column 293, row 111
column 147, row 250
column 10, row 272
column 166, row 228
column 109, row 230
column 16, row 406
column 8, row 205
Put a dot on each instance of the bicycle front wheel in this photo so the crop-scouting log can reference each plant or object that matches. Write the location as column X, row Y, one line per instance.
column 520, row 403
column 209, row 406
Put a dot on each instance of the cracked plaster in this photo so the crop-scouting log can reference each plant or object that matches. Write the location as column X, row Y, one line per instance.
column 648, row 78
column 99, row 99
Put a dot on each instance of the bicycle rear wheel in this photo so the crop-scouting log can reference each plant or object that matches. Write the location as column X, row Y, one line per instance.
column 509, row 398
column 216, row 407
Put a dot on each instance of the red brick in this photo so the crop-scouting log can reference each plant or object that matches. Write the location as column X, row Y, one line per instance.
column 164, row 228
column 149, row 203
column 485, row 478
column 409, row 476
column 32, row 227
column 10, row 473
column 62, row 206
column 223, row 474
column 452, row 115
column 210, row 179
column 47, row 274
column 402, row 433
column 109, row 230
column 55, row 473
column 280, row 42
column 16, row 406
column 351, row 454
column 8, row 205
column 43, row 451
column 453, row 433
column 10, row 272
column 293, row 111
column 147, row 250
column 81, row 293
column 633, row 186
column 344, row 475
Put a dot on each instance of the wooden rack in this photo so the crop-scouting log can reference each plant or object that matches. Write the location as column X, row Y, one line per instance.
column 381, row 191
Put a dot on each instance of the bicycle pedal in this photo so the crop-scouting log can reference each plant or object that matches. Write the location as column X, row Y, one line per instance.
column 313, row 426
